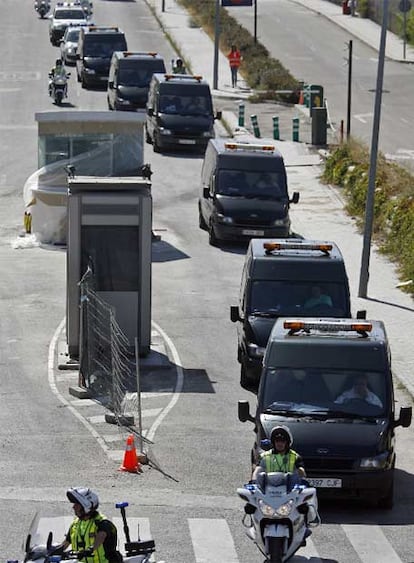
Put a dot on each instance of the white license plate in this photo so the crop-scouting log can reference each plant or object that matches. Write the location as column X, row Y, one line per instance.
column 253, row 233
column 325, row 483
column 187, row 141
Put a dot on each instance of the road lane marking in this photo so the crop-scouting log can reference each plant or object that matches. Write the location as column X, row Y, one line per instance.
column 370, row 543
column 212, row 540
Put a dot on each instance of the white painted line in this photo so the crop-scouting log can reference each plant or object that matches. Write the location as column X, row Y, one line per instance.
column 178, row 385
column 370, row 544
column 212, row 540
column 309, row 552
column 139, row 528
column 83, row 403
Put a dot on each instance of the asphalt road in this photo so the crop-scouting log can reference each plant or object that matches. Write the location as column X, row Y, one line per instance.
column 200, row 444
column 316, row 50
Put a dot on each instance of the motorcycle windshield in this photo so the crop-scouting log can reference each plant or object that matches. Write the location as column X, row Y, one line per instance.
column 44, row 531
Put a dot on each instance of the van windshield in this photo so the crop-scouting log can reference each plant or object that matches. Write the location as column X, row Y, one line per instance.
column 251, row 184
column 104, row 46
column 324, row 392
column 131, row 75
column 288, row 298
column 183, row 104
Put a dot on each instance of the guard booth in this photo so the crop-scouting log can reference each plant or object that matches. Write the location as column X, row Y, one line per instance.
column 109, row 232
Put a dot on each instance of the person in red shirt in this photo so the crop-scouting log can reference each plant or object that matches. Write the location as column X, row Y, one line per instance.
column 235, row 59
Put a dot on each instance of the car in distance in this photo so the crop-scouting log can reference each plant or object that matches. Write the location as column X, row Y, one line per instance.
column 69, row 44
column 63, row 15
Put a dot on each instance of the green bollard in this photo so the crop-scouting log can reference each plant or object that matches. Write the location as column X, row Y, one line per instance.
column 276, row 127
column 295, row 129
column 255, row 125
column 241, row 114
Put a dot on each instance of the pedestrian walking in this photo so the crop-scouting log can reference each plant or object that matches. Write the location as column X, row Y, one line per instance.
column 235, row 59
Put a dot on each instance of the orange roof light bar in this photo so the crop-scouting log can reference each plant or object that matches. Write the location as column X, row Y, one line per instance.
column 294, row 325
column 270, row 246
column 249, row 147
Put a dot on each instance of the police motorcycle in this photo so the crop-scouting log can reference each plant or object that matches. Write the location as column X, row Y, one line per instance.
column 138, row 551
column 58, row 87
column 42, row 7
column 279, row 511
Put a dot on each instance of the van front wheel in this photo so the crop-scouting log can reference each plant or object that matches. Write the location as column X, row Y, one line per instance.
column 212, row 239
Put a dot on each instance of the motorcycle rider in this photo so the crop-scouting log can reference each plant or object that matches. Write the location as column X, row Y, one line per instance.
column 57, row 70
column 90, row 533
column 284, row 459
column 281, row 457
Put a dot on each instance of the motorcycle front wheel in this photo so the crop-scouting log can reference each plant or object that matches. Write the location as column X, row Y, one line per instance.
column 58, row 97
column 276, row 550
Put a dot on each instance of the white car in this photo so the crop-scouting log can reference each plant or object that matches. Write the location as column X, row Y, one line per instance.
column 63, row 15
column 69, row 44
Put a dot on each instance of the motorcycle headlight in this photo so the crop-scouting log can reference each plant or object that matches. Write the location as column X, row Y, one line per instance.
column 267, row 510
column 285, row 509
column 376, row 462
column 255, row 351
column 224, row 219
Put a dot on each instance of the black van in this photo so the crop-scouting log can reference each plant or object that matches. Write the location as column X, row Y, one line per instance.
column 281, row 277
column 330, row 381
column 179, row 112
column 96, row 46
column 244, row 192
column 130, row 74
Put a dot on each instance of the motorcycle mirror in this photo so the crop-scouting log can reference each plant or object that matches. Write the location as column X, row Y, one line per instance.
column 266, row 444
column 49, row 540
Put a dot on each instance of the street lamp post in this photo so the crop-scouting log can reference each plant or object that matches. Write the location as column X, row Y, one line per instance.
column 216, row 44
column 369, row 208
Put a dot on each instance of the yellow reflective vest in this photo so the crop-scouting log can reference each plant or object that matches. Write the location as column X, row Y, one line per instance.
column 82, row 536
column 280, row 462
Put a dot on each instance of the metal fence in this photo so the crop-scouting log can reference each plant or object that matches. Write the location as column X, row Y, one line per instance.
column 107, row 366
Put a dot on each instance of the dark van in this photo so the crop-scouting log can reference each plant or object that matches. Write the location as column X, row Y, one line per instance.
column 244, row 192
column 330, row 381
column 281, row 277
column 130, row 74
column 96, row 46
column 179, row 112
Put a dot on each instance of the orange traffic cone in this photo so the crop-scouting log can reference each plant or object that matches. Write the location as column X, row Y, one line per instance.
column 301, row 98
column 130, row 463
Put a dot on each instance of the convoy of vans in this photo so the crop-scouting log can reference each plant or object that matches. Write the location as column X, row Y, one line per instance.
column 314, row 368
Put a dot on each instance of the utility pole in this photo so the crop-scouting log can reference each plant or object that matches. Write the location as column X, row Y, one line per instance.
column 369, row 207
column 216, row 44
column 348, row 115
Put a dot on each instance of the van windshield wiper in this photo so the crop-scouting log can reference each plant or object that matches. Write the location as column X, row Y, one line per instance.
column 270, row 314
column 283, row 408
column 347, row 414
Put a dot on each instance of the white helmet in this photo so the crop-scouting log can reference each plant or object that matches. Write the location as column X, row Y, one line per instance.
column 282, row 431
column 85, row 497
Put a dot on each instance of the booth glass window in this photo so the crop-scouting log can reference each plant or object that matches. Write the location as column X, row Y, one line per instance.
column 113, row 254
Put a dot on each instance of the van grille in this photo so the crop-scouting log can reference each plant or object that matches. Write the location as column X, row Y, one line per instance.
column 252, row 222
column 314, row 464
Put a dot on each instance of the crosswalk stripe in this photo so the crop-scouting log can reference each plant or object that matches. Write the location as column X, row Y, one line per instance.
column 370, row 543
column 212, row 540
column 309, row 551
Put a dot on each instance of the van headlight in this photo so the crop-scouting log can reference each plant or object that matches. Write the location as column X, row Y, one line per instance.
column 255, row 351
column 220, row 218
column 279, row 222
column 165, row 131
column 376, row 462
